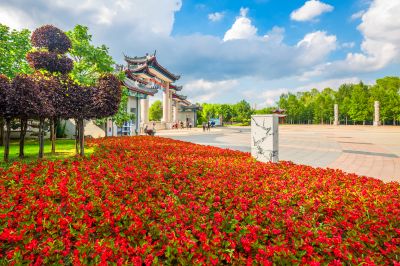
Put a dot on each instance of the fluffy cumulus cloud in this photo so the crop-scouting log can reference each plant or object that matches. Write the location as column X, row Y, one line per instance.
column 242, row 28
column 204, row 90
column 152, row 15
column 380, row 27
column 217, row 16
column 317, row 45
column 310, row 10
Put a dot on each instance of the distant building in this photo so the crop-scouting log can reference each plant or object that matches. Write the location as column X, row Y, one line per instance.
column 281, row 113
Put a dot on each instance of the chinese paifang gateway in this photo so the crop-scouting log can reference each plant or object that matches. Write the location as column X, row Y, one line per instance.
column 144, row 77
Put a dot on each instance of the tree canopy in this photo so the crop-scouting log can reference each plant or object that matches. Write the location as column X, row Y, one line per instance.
column 13, row 48
column 155, row 111
column 90, row 62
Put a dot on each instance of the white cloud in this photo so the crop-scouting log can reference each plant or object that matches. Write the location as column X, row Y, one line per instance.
column 310, row 10
column 275, row 35
column 242, row 28
column 380, row 27
column 217, row 16
column 151, row 16
column 317, row 46
column 15, row 18
column 357, row 15
column 105, row 16
column 202, row 90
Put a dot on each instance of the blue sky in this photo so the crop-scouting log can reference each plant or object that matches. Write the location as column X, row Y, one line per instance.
column 231, row 50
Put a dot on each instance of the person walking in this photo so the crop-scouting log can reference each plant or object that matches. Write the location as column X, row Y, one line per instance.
column 204, row 126
column 208, row 125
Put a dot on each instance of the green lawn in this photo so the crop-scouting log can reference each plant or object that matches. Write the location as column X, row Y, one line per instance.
column 64, row 148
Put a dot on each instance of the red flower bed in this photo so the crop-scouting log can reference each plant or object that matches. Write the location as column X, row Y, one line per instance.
column 158, row 201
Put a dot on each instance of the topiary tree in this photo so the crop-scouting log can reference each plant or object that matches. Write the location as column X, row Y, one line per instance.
column 51, row 93
column 83, row 101
column 51, row 38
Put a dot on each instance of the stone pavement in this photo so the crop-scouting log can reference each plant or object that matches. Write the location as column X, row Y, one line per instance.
column 364, row 150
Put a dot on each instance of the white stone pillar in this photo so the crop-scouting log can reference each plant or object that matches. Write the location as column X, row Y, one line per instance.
column 170, row 118
column 144, row 110
column 165, row 104
column 336, row 114
column 176, row 109
column 265, row 137
column 377, row 119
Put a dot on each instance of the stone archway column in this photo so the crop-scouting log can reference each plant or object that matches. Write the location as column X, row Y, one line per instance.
column 175, row 109
column 165, row 104
column 144, row 110
column 170, row 107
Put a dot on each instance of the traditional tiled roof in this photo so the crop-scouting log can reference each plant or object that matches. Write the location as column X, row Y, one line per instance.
column 130, row 75
column 142, row 63
column 139, row 87
column 175, row 87
column 179, row 96
column 136, row 59
column 189, row 106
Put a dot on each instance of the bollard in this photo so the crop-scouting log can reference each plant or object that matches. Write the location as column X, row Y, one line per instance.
column 265, row 137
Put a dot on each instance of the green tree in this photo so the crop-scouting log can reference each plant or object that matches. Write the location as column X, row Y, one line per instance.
column 306, row 100
column 343, row 99
column 360, row 106
column 386, row 91
column 155, row 111
column 264, row 111
column 209, row 110
column 226, row 111
column 243, row 111
column 13, row 48
column 89, row 61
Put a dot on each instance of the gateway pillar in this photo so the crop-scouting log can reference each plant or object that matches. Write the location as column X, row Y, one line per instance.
column 144, row 110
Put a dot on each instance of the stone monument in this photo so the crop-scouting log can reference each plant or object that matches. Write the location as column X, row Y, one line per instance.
column 336, row 114
column 377, row 119
column 265, row 137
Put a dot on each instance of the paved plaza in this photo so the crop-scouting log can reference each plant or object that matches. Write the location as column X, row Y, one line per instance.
column 364, row 150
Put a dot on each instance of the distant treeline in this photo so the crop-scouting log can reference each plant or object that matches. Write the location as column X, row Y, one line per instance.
column 355, row 102
column 231, row 113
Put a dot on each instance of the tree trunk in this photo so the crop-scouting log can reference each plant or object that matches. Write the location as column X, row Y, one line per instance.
column 41, row 138
column 1, row 131
column 76, row 136
column 82, row 137
column 7, row 140
column 53, row 134
column 105, row 129
column 22, row 134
